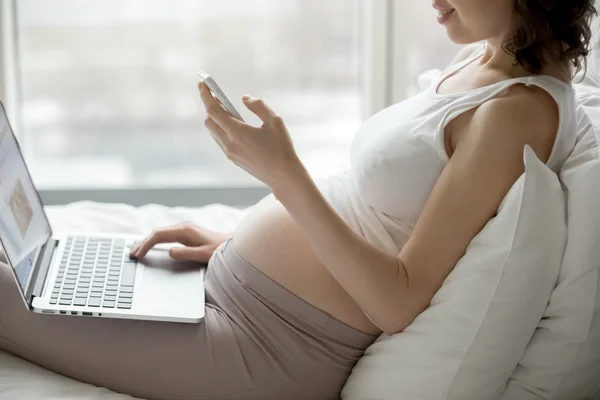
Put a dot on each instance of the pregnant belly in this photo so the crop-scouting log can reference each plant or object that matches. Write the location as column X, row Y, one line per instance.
column 269, row 239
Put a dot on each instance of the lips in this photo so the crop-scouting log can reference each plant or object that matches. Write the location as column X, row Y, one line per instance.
column 442, row 12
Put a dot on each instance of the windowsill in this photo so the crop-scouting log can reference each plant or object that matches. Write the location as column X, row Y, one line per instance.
column 241, row 196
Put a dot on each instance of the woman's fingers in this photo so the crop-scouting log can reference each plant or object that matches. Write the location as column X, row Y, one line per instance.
column 184, row 234
column 167, row 235
column 261, row 109
column 218, row 134
column 216, row 112
column 200, row 254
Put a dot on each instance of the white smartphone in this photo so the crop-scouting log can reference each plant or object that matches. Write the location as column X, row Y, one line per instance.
column 219, row 94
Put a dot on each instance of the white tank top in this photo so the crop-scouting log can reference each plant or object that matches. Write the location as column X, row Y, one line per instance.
column 398, row 155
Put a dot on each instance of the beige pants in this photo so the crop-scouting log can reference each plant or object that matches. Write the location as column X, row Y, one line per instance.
column 257, row 341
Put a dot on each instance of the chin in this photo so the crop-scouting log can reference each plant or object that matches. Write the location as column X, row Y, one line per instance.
column 458, row 38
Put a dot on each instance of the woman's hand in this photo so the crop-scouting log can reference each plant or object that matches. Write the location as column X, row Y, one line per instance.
column 266, row 152
column 200, row 243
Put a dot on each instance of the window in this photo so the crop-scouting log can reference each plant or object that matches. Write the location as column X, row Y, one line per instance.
column 108, row 97
column 103, row 91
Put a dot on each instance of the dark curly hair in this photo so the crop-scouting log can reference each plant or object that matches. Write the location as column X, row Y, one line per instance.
column 559, row 30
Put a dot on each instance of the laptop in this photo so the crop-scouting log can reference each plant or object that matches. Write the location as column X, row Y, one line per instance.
column 86, row 274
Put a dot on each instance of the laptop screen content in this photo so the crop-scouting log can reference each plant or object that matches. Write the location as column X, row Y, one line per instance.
column 23, row 224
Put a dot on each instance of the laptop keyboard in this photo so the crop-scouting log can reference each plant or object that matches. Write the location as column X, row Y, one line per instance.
column 95, row 272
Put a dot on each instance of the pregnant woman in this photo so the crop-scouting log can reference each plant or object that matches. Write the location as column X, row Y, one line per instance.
column 315, row 272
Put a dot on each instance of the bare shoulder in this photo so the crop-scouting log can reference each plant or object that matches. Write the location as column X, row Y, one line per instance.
column 522, row 115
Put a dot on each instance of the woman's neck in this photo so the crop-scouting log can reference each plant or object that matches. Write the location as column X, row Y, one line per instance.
column 495, row 58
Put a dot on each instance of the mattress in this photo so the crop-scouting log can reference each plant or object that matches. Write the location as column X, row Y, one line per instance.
column 22, row 380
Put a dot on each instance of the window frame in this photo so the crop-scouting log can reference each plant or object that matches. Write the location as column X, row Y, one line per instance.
column 376, row 30
column 8, row 67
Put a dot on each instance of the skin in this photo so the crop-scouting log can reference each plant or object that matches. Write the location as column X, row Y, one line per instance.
column 485, row 146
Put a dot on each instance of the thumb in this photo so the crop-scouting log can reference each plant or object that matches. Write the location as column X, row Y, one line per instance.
column 260, row 108
column 199, row 254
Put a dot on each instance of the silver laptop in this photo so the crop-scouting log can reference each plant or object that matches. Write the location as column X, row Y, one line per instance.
column 84, row 273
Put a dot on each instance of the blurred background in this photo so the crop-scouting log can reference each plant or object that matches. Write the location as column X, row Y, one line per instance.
column 104, row 91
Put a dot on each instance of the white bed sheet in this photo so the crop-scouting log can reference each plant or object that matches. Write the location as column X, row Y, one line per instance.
column 20, row 379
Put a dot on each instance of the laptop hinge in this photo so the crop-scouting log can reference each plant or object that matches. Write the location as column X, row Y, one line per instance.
column 42, row 267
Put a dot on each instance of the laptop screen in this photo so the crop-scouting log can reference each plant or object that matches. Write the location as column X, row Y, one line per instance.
column 24, row 227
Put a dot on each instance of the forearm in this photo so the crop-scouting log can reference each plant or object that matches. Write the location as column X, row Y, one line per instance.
column 375, row 280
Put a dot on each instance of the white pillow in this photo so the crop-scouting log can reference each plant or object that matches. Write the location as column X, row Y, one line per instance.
column 468, row 342
column 588, row 91
column 562, row 360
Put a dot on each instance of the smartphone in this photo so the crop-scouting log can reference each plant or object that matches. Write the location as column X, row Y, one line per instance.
column 219, row 94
